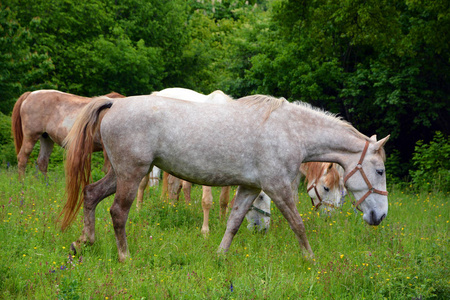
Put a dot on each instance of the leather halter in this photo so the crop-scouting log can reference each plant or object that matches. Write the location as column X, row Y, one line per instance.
column 259, row 211
column 363, row 174
column 316, row 207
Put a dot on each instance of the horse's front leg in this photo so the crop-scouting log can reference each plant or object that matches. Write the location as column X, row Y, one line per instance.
column 141, row 190
column 93, row 194
column 126, row 191
column 284, row 200
column 223, row 200
column 165, row 185
column 244, row 199
column 207, row 201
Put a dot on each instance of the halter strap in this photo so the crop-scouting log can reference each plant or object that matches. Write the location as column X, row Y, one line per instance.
column 363, row 174
column 316, row 207
column 259, row 211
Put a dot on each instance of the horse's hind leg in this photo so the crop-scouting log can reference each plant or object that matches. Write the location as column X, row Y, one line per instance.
column 206, row 206
column 141, row 190
column 244, row 199
column 93, row 194
column 223, row 200
column 126, row 191
column 44, row 153
column 24, row 153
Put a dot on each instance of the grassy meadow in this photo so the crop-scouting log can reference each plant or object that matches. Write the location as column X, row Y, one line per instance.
column 406, row 257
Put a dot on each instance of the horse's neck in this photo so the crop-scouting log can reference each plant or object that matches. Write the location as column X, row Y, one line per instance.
column 329, row 141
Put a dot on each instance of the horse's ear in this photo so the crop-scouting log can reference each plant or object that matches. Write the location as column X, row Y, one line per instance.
column 380, row 143
column 374, row 137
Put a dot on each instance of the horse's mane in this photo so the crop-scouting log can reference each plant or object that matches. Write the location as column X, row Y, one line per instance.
column 315, row 170
column 332, row 178
column 268, row 103
column 114, row 95
column 338, row 120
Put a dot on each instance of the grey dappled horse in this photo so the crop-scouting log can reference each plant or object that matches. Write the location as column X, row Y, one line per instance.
column 257, row 143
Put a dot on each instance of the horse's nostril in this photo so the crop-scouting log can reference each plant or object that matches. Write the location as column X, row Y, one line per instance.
column 382, row 217
column 373, row 216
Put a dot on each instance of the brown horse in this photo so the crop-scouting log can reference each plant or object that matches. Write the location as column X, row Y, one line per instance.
column 324, row 184
column 173, row 185
column 48, row 116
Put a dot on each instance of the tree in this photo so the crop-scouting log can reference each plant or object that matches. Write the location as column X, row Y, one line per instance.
column 21, row 68
column 132, row 47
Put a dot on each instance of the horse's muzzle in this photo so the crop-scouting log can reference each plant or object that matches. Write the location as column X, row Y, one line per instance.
column 373, row 219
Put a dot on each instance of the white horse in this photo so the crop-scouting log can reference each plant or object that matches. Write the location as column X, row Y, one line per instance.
column 257, row 143
column 258, row 217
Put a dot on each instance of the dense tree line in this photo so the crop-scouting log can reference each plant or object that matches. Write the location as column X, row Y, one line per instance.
column 382, row 65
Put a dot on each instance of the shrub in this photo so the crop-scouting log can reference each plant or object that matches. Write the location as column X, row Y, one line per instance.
column 395, row 168
column 431, row 164
column 7, row 151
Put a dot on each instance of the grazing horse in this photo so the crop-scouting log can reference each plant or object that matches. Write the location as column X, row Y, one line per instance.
column 45, row 115
column 258, row 216
column 173, row 185
column 324, row 184
column 257, row 143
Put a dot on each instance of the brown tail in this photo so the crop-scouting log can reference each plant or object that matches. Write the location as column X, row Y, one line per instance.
column 79, row 144
column 16, row 122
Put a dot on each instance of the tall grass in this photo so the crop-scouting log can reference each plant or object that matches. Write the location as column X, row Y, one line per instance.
column 406, row 257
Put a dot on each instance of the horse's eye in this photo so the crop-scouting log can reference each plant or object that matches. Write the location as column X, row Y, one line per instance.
column 326, row 189
column 380, row 172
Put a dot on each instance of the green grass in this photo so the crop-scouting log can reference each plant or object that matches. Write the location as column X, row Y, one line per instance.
column 406, row 257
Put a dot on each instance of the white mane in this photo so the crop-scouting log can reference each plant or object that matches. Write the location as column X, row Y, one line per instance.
column 330, row 117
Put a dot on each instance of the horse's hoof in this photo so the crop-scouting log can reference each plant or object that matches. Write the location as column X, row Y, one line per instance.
column 73, row 248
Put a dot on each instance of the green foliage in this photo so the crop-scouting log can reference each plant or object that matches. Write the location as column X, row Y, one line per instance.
column 68, row 289
column 432, row 164
column 395, row 169
column 382, row 65
column 21, row 68
column 7, row 150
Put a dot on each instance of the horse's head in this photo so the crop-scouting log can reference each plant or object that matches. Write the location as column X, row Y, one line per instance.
column 259, row 214
column 367, row 181
column 325, row 185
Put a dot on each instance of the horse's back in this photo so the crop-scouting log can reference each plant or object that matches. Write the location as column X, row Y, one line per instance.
column 183, row 138
column 51, row 111
column 218, row 97
column 182, row 94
